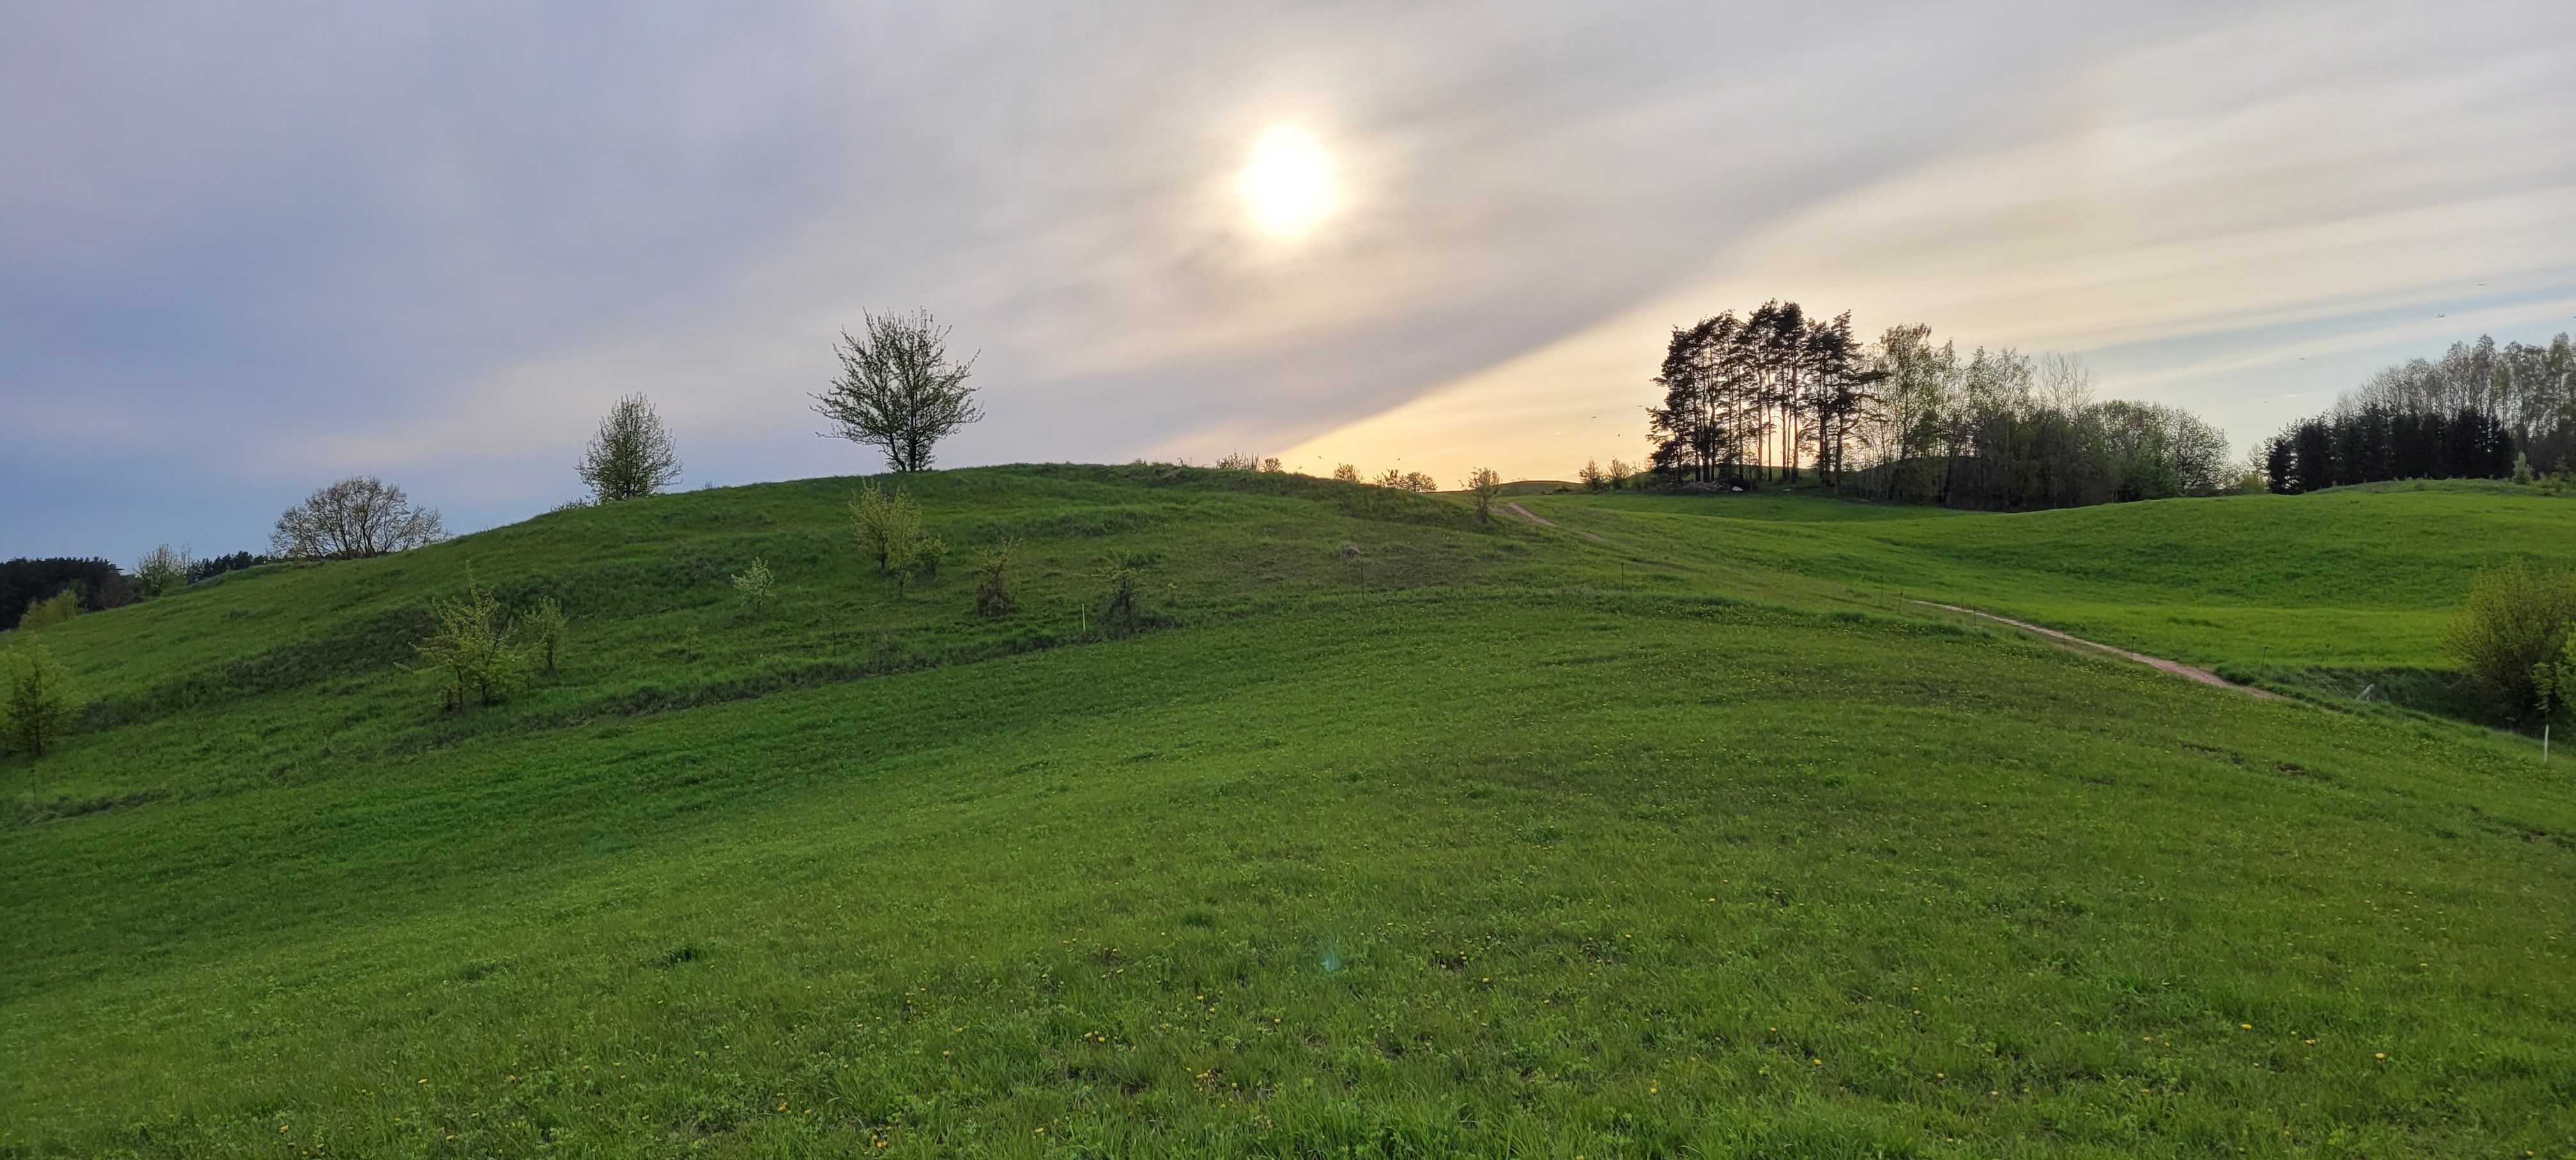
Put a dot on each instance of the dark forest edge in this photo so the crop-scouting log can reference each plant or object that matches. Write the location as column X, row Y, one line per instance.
column 2483, row 412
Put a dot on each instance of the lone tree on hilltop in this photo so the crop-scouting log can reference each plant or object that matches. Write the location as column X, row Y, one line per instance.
column 631, row 455
column 899, row 390
column 354, row 519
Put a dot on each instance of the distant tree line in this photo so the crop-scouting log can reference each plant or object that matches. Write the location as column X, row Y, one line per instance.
column 2482, row 412
column 1771, row 394
column 213, row 566
column 97, row 584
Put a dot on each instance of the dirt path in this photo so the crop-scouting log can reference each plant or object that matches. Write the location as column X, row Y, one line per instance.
column 2177, row 668
column 1545, row 522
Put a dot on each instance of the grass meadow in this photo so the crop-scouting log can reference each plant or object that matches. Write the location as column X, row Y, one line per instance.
column 1384, row 834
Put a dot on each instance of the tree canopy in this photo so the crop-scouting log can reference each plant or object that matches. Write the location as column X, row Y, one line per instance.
column 899, row 390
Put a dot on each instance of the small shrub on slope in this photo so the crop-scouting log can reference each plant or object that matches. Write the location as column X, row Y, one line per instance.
column 756, row 586
column 471, row 648
column 1122, row 583
column 38, row 703
column 544, row 627
column 1484, row 485
column 54, row 609
column 2517, row 620
column 2554, row 682
column 993, row 582
column 888, row 525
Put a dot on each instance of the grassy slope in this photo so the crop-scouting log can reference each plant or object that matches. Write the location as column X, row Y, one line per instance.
column 2321, row 593
column 1482, row 841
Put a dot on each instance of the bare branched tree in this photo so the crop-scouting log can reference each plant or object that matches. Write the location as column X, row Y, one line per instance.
column 354, row 519
column 631, row 455
column 899, row 390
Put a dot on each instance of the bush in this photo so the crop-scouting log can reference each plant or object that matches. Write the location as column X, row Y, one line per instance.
column 993, row 583
column 543, row 628
column 1239, row 461
column 1347, row 473
column 756, row 586
column 161, row 571
column 54, row 609
column 888, row 525
column 2554, row 681
column 1483, row 485
column 37, row 702
column 2517, row 619
column 1592, row 477
column 1122, row 581
column 472, row 649
column 2522, row 469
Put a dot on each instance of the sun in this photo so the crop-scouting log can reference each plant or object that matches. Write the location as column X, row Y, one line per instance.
column 1288, row 184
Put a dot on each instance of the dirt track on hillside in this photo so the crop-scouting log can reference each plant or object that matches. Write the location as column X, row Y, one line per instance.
column 2177, row 668
column 1545, row 522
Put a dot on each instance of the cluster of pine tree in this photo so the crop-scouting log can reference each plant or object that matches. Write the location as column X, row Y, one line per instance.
column 2373, row 443
column 2472, row 415
column 1747, row 397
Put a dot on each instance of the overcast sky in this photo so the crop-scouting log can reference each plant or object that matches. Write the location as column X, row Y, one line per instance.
column 248, row 248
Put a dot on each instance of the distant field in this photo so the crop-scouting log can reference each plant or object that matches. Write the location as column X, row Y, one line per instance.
column 1391, row 835
column 2308, row 592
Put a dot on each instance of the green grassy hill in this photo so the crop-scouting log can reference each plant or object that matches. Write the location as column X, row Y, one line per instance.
column 1388, row 834
column 2321, row 595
